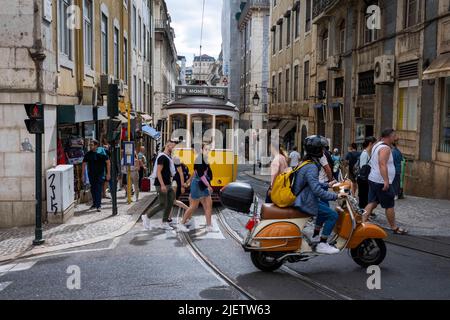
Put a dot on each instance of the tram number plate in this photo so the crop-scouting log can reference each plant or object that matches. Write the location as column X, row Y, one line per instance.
column 201, row 110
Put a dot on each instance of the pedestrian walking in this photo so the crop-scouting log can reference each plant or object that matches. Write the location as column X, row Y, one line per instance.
column 181, row 178
column 143, row 165
column 98, row 168
column 163, row 171
column 336, row 164
column 381, row 177
column 398, row 158
column 134, row 174
column 363, row 178
column 278, row 166
column 201, row 191
column 294, row 158
column 351, row 159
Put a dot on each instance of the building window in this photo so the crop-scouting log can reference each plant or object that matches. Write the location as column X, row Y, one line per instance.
column 145, row 43
column 370, row 35
column 306, row 81
column 140, row 33
column 407, row 105
column 116, row 53
column 342, row 37
column 274, row 40
column 134, row 27
column 288, row 86
column 297, row 21
column 148, row 46
column 280, row 47
column 324, row 46
column 339, row 87
column 296, row 76
column 288, row 30
column 274, row 88
column 87, row 34
column 140, row 94
column 104, row 44
column 279, row 87
column 308, row 16
column 134, row 91
column 274, row 3
column 125, row 60
column 444, row 141
column 65, row 34
column 366, row 85
column 412, row 13
column 322, row 90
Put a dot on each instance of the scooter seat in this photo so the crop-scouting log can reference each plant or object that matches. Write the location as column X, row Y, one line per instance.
column 269, row 211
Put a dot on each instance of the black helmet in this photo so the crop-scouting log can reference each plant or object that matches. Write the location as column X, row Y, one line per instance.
column 314, row 146
column 325, row 142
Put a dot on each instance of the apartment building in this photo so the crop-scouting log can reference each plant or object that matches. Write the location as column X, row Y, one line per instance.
column 291, row 67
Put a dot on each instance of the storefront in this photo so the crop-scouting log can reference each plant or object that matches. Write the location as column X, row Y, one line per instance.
column 77, row 125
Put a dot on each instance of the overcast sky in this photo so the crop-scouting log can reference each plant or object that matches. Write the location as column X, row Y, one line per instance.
column 186, row 20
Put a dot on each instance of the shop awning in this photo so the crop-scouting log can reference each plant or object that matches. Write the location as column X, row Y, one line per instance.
column 291, row 124
column 151, row 132
column 439, row 68
column 71, row 114
column 146, row 117
column 102, row 113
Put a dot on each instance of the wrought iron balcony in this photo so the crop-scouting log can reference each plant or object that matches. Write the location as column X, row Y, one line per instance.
column 321, row 6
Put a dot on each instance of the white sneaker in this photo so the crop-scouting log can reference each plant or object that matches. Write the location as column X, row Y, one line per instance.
column 315, row 239
column 145, row 222
column 189, row 223
column 183, row 228
column 210, row 229
column 325, row 248
column 165, row 226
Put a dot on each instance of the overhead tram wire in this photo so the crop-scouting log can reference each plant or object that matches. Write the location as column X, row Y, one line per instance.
column 201, row 37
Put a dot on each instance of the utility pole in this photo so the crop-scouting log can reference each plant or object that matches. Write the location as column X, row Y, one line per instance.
column 113, row 111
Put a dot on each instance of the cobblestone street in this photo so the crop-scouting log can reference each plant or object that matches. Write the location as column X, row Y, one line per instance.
column 85, row 225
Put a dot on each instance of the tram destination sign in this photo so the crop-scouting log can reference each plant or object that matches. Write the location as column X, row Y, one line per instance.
column 216, row 92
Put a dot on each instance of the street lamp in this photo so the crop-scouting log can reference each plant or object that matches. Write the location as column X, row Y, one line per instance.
column 256, row 101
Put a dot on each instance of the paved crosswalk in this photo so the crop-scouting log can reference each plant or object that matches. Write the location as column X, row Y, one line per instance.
column 13, row 267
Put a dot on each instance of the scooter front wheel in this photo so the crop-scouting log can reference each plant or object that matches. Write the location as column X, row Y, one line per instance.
column 370, row 252
column 264, row 261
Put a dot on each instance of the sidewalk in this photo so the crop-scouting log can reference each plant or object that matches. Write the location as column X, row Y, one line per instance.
column 421, row 216
column 85, row 227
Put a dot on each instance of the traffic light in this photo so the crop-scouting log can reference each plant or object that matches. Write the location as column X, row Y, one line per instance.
column 114, row 130
column 35, row 123
column 113, row 100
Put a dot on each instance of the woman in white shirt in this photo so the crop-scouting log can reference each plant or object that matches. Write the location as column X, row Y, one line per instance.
column 363, row 185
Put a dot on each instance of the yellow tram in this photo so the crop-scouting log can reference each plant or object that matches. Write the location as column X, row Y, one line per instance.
column 204, row 115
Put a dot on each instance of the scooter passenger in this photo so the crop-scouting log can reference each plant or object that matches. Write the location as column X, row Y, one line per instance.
column 310, row 191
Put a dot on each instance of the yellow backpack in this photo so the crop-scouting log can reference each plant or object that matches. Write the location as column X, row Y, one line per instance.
column 281, row 194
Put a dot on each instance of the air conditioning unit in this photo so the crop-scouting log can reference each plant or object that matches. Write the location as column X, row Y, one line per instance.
column 105, row 80
column 384, row 69
column 334, row 63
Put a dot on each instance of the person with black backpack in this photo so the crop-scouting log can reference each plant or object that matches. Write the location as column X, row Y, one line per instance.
column 363, row 171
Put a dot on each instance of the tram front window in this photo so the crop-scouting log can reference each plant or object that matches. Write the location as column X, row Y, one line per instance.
column 201, row 129
column 178, row 129
column 224, row 135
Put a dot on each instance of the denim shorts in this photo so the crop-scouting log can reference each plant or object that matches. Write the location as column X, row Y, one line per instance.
column 385, row 198
column 196, row 193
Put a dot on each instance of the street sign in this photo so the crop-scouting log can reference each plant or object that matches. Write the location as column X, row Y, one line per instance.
column 128, row 153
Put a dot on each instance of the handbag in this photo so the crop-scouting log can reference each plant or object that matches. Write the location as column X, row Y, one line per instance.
column 201, row 184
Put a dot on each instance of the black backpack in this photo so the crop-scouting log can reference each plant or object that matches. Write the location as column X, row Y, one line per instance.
column 329, row 159
column 364, row 172
column 186, row 173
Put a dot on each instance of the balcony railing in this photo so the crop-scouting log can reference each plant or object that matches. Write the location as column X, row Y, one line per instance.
column 320, row 6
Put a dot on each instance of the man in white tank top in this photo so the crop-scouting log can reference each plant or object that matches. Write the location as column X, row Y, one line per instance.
column 382, row 174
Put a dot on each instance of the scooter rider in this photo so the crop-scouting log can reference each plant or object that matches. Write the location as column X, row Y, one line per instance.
column 310, row 191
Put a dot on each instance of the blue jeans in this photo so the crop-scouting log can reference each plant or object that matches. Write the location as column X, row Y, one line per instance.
column 327, row 217
column 97, row 192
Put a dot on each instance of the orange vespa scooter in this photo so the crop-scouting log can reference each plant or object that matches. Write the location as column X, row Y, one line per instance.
column 277, row 235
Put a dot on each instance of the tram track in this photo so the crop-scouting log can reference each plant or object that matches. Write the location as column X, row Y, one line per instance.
column 323, row 289
column 212, row 268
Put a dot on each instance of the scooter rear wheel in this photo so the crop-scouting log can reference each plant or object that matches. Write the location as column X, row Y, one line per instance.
column 370, row 252
column 264, row 261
